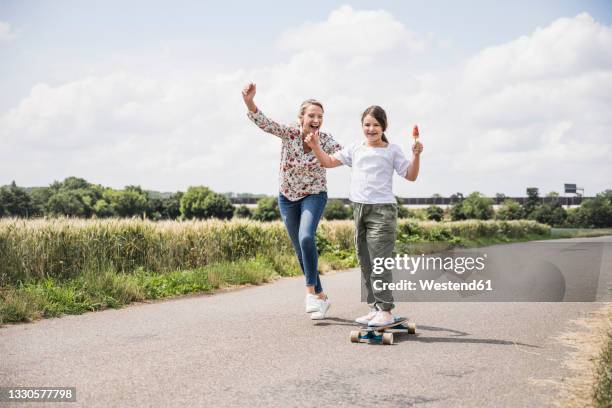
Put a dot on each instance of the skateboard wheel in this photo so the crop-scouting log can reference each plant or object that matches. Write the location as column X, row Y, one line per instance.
column 387, row 338
column 411, row 328
column 355, row 336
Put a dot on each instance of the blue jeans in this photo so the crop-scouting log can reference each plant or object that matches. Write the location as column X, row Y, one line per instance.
column 301, row 219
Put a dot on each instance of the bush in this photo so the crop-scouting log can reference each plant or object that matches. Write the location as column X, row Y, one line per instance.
column 243, row 212
column 336, row 210
column 201, row 202
column 15, row 201
column 66, row 203
column 476, row 206
column 597, row 212
column 267, row 209
column 509, row 210
column 434, row 213
column 456, row 212
column 551, row 214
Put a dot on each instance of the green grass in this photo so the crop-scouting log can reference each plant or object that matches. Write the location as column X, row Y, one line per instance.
column 95, row 290
column 602, row 394
column 579, row 232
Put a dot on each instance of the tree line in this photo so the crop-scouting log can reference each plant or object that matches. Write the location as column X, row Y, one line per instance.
column 76, row 197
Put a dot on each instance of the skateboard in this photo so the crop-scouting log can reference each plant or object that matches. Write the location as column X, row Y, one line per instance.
column 383, row 334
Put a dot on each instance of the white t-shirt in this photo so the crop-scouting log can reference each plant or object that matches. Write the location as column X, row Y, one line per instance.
column 372, row 171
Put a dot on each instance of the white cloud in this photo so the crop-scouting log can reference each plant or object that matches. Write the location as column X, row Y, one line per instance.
column 353, row 33
column 568, row 47
column 534, row 111
column 6, row 33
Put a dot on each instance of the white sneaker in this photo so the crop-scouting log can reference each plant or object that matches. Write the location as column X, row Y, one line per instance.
column 366, row 319
column 323, row 307
column 382, row 318
column 312, row 303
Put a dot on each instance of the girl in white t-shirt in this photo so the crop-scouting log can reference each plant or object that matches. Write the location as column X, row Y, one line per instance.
column 372, row 164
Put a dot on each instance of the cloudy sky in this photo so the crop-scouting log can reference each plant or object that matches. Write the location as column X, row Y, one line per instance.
column 506, row 95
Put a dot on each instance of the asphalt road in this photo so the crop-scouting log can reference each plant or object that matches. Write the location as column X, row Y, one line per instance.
column 256, row 346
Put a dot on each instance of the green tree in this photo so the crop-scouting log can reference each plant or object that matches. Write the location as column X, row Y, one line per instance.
column 15, row 202
column 218, row 206
column 243, row 212
column 597, row 212
column 74, row 183
column 475, row 206
column 478, row 206
column 202, row 202
column 172, row 206
column 267, row 209
column 66, row 203
column 336, row 210
column 434, row 213
column 533, row 200
column 552, row 214
column 103, row 209
column 192, row 202
column 126, row 203
column 456, row 212
column 155, row 208
column 40, row 197
column 509, row 210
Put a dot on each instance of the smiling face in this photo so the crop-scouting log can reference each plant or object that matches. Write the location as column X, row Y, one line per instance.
column 312, row 118
column 372, row 130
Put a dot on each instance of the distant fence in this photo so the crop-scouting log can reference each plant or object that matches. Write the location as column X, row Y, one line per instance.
column 442, row 200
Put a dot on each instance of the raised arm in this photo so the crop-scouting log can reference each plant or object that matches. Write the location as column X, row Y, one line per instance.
column 261, row 120
column 327, row 161
column 248, row 94
column 413, row 170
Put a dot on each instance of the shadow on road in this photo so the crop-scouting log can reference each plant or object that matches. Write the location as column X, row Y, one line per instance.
column 336, row 322
column 456, row 336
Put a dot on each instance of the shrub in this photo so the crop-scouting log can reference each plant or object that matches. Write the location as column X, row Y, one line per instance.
column 434, row 213
column 201, row 202
column 509, row 210
column 476, row 206
column 243, row 212
column 267, row 209
column 336, row 210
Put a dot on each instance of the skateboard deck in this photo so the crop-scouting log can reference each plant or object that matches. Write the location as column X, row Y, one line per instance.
column 383, row 334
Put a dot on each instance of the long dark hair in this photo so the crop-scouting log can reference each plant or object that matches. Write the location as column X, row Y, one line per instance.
column 379, row 114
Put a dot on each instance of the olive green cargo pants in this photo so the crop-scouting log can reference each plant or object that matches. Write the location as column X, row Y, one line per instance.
column 375, row 233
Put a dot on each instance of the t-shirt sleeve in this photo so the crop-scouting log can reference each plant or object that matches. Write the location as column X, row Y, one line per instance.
column 400, row 162
column 345, row 155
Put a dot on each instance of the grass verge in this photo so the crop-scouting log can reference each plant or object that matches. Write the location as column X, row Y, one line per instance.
column 93, row 291
column 602, row 392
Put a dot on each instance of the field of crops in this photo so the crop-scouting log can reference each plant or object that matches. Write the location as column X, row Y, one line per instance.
column 64, row 248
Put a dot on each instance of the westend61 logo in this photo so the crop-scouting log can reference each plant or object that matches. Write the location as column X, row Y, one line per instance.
column 458, row 265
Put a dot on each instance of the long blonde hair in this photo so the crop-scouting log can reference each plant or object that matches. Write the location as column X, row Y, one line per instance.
column 303, row 107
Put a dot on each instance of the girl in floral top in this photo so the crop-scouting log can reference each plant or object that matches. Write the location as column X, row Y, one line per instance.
column 303, row 188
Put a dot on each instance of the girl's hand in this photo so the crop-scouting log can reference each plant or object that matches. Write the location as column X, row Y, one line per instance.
column 417, row 149
column 248, row 93
column 312, row 139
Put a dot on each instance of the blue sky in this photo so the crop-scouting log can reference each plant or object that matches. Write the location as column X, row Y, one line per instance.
column 87, row 84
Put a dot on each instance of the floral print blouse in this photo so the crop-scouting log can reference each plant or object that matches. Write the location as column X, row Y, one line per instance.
column 300, row 172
